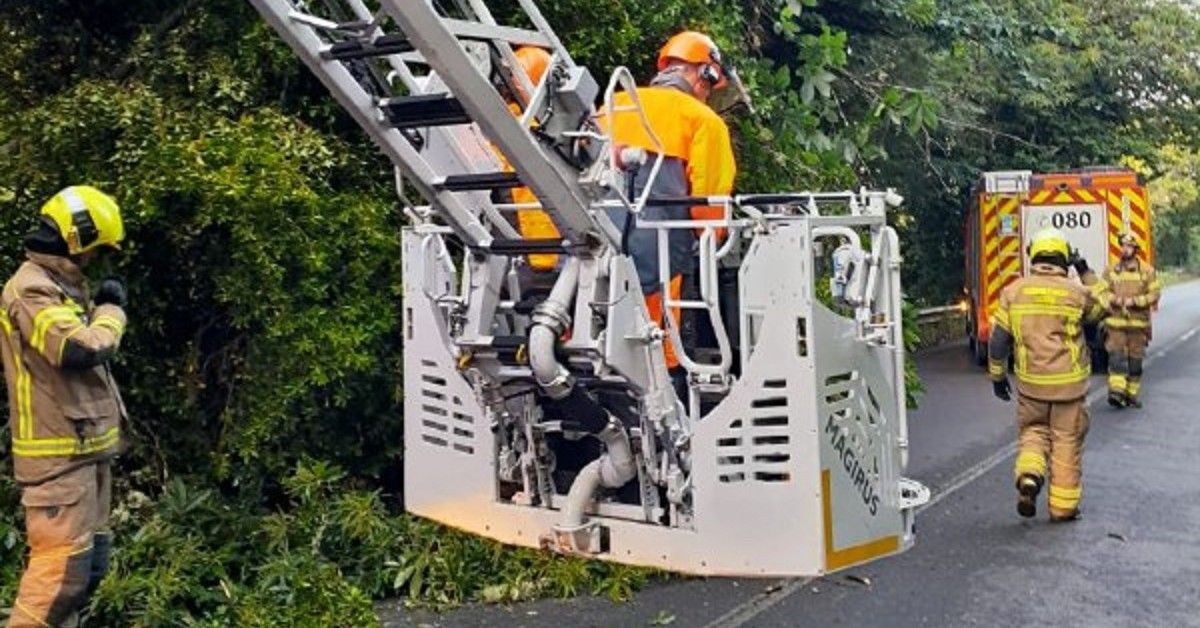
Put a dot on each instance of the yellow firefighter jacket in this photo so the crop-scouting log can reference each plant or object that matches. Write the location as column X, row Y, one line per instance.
column 1041, row 318
column 1137, row 281
column 64, row 407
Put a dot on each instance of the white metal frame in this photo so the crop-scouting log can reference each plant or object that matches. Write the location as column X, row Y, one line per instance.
column 797, row 470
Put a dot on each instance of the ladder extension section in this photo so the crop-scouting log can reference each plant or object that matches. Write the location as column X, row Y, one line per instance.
column 453, row 93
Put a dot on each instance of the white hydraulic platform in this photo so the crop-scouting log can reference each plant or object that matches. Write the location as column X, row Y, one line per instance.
column 538, row 408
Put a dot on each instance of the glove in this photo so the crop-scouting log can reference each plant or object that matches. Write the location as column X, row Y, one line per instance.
column 111, row 290
column 1002, row 389
column 1076, row 260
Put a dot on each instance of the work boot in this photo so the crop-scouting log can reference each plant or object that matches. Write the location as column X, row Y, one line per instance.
column 1028, row 487
column 1133, row 402
column 1117, row 399
column 1071, row 516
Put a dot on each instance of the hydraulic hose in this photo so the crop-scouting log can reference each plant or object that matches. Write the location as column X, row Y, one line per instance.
column 612, row 469
column 550, row 319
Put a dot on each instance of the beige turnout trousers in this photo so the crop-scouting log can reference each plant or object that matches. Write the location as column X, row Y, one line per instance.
column 1051, row 443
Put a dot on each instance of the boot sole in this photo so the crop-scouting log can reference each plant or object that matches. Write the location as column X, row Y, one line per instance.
column 1026, row 503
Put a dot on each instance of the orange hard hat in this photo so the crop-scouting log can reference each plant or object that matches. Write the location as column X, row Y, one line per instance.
column 697, row 48
column 534, row 61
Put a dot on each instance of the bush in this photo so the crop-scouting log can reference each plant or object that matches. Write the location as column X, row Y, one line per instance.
column 200, row 557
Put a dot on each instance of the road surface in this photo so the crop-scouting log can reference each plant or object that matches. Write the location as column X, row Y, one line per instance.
column 1132, row 560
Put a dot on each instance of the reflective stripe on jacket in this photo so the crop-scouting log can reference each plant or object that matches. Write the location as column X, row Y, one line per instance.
column 1041, row 317
column 1137, row 281
column 64, row 407
column 698, row 161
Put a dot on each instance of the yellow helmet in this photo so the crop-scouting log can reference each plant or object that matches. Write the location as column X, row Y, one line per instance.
column 1049, row 241
column 86, row 218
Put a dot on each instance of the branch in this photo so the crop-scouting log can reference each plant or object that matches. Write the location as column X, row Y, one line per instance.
column 990, row 132
column 874, row 90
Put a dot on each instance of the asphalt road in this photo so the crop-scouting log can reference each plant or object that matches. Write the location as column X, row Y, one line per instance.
column 1132, row 560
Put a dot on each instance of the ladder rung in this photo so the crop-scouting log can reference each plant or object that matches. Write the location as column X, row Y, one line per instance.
column 527, row 246
column 483, row 181
column 410, row 112
column 475, row 31
column 390, row 44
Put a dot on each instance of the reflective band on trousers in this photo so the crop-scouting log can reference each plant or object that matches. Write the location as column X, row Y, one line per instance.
column 1031, row 463
column 1118, row 322
column 1065, row 498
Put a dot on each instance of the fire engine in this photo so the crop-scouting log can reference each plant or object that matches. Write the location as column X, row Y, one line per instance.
column 1092, row 206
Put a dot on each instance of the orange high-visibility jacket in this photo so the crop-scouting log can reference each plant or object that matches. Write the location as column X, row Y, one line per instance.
column 698, row 161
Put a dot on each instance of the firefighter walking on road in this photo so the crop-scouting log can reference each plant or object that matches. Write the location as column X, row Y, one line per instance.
column 64, row 407
column 1040, row 323
column 1135, row 290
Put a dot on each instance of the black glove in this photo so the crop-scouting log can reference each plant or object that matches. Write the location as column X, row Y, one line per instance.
column 1001, row 389
column 1076, row 260
column 111, row 290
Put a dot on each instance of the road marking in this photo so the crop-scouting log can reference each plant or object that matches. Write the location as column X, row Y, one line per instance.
column 757, row 605
column 743, row 613
column 966, row 477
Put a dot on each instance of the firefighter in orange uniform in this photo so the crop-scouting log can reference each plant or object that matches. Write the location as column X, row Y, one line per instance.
column 1135, row 290
column 698, row 161
column 1041, row 317
column 533, row 223
column 64, row 408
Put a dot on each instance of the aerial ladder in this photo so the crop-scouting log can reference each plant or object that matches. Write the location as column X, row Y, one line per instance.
column 546, row 417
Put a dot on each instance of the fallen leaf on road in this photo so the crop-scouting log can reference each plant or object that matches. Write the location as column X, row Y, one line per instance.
column 663, row 619
column 1117, row 536
column 863, row 580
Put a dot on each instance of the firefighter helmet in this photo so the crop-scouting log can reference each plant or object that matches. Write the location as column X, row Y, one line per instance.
column 1127, row 238
column 86, row 218
column 534, row 62
column 697, row 48
column 1049, row 241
